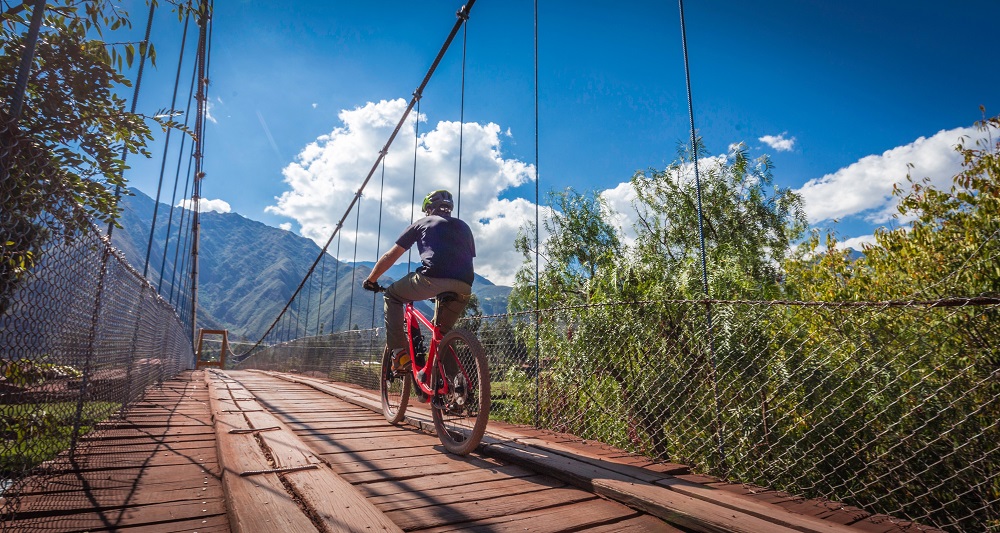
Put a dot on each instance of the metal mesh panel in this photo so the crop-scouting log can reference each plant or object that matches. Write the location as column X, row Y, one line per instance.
column 83, row 336
column 892, row 407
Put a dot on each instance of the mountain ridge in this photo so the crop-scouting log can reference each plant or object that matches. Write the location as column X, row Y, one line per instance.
column 249, row 270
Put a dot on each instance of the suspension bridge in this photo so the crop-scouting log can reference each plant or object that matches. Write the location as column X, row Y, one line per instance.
column 707, row 414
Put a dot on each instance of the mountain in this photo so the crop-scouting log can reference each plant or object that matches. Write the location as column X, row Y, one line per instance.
column 248, row 271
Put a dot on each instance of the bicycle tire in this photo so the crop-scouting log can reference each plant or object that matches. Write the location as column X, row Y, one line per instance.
column 394, row 388
column 460, row 417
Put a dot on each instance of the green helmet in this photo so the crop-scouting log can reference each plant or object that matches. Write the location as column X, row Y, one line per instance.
column 439, row 199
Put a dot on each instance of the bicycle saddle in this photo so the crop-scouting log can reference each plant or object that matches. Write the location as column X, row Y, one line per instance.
column 451, row 297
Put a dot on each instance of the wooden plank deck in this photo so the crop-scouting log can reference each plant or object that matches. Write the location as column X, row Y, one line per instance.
column 289, row 453
column 155, row 471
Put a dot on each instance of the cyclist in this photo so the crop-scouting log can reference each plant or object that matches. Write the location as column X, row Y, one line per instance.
column 446, row 250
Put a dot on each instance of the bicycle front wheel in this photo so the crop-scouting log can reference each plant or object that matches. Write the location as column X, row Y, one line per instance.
column 461, row 414
column 394, row 387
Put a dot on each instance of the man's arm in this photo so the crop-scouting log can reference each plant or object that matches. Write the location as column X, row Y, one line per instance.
column 385, row 262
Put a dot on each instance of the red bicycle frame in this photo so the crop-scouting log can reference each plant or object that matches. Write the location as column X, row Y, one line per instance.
column 414, row 318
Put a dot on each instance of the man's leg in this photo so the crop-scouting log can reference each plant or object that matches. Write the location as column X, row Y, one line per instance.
column 447, row 313
column 411, row 288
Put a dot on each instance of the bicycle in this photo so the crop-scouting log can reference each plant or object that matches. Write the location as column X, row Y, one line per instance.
column 452, row 375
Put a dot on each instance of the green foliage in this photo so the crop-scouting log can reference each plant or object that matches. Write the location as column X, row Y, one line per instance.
column 748, row 226
column 64, row 160
column 892, row 406
column 24, row 373
column 33, row 433
column 627, row 355
column 919, row 383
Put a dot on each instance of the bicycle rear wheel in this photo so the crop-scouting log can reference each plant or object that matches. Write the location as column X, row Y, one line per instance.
column 460, row 416
column 394, row 388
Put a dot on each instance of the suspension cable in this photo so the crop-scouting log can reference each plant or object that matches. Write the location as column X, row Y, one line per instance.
column 413, row 190
column 205, row 19
column 461, row 119
column 309, row 292
column 406, row 113
column 319, row 305
column 173, row 196
column 350, row 306
column 166, row 149
column 378, row 234
column 538, row 338
column 336, row 283
column 701, row 236
column 143, row 50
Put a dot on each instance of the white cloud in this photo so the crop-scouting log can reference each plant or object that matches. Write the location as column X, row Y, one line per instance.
column 205, row 205
column 287, row 226
column 858, row 243
column 328, row 172
column 865, row 187
column 315, row 105
column 623, row 216
column 778, row 142
column 208, row 112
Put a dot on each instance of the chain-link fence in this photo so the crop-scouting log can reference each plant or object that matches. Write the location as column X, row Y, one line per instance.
column 889, row 406
column 82, row 336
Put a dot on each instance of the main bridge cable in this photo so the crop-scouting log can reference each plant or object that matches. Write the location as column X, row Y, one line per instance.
column 205, row 19
column 463, row 16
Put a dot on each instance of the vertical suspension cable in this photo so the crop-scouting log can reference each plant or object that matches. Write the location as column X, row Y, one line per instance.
column 336, row 282
column 461, row 120
column 182, row 235
column 538, row 318
column 166, row 149
column 143, row 52
column 413, row 191
column 378, row 249
column 309, row 292
column 298, row 307
column 701, row 236
column 319, row 304
column 350, row 306
column 173, row 197
column 378, row 234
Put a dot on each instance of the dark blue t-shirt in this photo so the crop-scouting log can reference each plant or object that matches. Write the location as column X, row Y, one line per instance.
column 445, row 244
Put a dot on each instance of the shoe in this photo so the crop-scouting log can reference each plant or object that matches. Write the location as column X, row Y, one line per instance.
column 401, row 360
column 421, row 395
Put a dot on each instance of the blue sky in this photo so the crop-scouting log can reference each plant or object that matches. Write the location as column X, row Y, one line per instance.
column 841, row 95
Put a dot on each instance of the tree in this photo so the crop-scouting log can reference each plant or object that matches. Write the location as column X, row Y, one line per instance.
column 63, row 157
column 915, row 381
column 749, row 225
column 643, row 352
column 581, row 243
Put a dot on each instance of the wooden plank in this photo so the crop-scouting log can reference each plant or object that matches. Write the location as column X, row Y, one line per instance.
column 392, row 489
column 254, row 503
column 403, row 472
column 471, row 492
column 597, row 514
column 678, row 509
column 118, row 519
column 463, row 512
column 637, row 524
column 331, row 500
column 109, row 499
